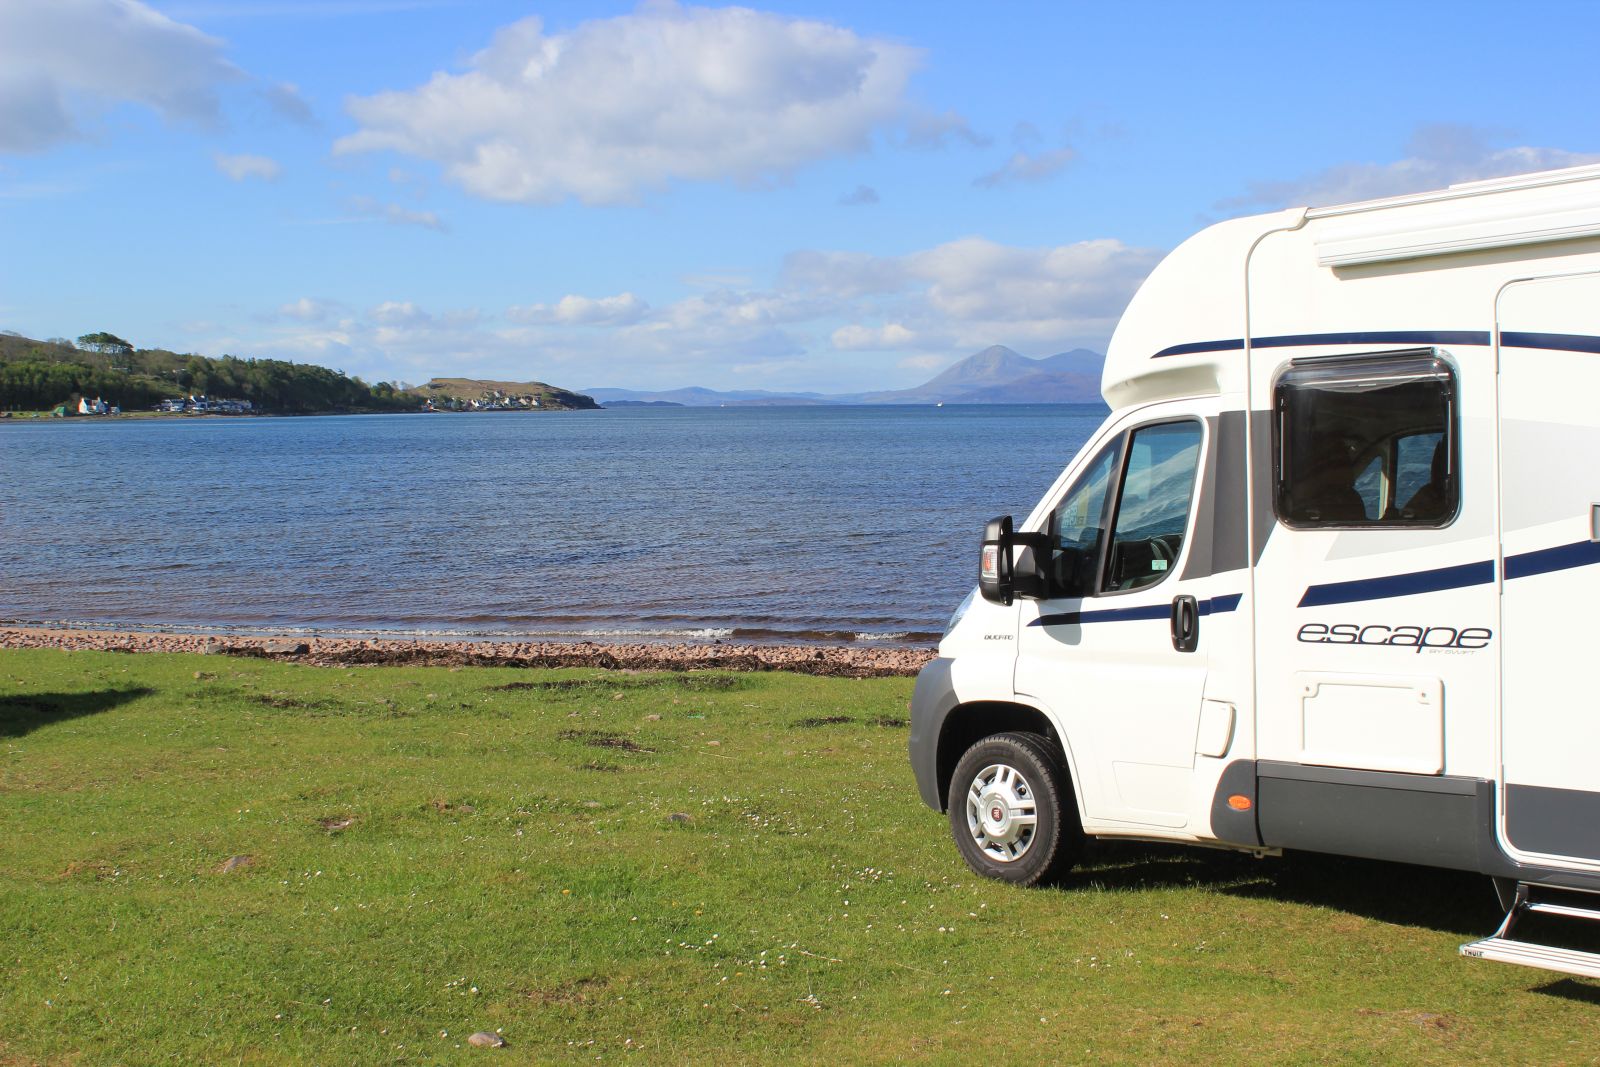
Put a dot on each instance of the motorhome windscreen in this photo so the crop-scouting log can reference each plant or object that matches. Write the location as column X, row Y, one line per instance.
column 1366, row 441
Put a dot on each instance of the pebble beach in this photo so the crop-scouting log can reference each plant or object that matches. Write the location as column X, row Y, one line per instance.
column 830, row 661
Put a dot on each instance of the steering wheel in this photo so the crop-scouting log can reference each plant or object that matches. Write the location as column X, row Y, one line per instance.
column 1162, row 549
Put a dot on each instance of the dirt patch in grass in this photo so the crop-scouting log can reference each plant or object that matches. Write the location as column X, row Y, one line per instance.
column 890, row 722
column 96, row 869
column 821, row 720
column 596, row 765
column 601, row 739
column 334, row 823
column 447, row 807
column 284, row 702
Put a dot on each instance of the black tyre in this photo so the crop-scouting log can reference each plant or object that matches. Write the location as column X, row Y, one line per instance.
column 1012, row 811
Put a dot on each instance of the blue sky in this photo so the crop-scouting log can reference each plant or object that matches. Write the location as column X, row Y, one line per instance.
column 793, row 196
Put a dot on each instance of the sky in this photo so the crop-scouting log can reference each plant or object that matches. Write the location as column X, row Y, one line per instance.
column 797, row 196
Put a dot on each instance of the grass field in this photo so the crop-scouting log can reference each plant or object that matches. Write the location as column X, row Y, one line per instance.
column 216, row 860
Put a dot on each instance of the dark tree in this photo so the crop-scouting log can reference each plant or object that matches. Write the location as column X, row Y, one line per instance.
column 106, row 343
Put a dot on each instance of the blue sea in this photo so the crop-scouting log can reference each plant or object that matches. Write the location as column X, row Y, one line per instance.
column 822, row 524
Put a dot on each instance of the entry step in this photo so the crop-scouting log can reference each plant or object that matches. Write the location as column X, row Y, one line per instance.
column 1502, row 948
column 1528, row 954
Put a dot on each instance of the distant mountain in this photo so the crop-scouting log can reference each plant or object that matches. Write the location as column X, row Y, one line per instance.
column 997, row 375
column 696, row 396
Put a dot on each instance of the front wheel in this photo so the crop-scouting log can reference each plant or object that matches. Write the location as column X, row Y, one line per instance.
column 1012, row 812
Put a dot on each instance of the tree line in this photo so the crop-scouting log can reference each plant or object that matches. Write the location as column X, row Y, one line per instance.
column 39, row 375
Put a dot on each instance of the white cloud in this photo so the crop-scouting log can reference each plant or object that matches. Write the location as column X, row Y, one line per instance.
column 245, row 166
column 620, row 310
column 873, row 338
column 307, row 309
column 831, row 321
column 399, row 313
column 1438, row 155
column 974, row 288
column 622, row 105
column 59, row 56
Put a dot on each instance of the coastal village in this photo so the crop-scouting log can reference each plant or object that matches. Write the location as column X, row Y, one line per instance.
column 495, row 400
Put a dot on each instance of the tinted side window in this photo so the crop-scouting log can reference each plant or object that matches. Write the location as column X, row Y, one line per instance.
column 1368, row 441
column 1153, row 507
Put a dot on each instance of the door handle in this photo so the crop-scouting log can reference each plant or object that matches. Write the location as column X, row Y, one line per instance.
column 1185, row 623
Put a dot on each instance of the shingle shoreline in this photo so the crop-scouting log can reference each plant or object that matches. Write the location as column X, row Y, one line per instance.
column 830, row 661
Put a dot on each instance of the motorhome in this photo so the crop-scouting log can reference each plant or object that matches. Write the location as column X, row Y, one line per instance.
column 1323, row 578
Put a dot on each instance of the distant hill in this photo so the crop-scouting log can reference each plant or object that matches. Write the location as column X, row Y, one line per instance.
column 998, row 375
column 696, row 396
column 38, row 375
column 480, row 393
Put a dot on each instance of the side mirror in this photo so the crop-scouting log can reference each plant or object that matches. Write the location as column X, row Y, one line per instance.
column 1010, row 564
column 996, row 581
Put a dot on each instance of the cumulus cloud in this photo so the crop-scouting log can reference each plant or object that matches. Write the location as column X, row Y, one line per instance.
column 245, row 166
column 976, row 291
column 307, row 309
column 399, row 313
column 807, row 329
column 873, row 338
column 620, row 310
column 622, row 105
column 1437, row 155
column 57, row 58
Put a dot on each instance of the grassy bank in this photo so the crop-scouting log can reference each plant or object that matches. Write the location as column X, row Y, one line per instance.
column 220, row 860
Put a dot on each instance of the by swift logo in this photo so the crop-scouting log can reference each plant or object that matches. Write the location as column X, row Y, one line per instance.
column 1467, row 639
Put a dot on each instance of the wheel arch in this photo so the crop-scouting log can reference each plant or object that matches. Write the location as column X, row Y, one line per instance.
column 967, row 724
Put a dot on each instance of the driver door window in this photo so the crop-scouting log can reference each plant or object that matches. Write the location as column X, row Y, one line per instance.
column 1153, row 507
column 1146, row 480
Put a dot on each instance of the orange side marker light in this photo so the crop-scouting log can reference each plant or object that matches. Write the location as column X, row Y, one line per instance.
column 1239, row 802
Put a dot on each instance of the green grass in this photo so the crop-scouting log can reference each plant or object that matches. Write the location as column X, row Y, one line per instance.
column 434, row 852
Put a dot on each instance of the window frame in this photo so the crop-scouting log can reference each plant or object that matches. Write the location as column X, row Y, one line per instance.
column 1112, row 506
column 1389, row 473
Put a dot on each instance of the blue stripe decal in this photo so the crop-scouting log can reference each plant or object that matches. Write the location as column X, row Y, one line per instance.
column 1559, row 342
column 1369, row 337
column 1142, row 613
column 1459, row 577
column 1219, row 604
column 1522, row 565
column 1545, row 560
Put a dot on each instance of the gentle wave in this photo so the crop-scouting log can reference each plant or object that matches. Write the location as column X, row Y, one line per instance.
column 751, row 635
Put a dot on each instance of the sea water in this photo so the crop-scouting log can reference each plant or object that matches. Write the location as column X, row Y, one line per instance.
column 768, row 524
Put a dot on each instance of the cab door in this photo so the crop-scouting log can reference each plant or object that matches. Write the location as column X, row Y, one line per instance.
column 1116, row 650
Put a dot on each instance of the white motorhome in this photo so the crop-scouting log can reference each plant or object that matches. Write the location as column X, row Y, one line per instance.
column 1322, row 579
